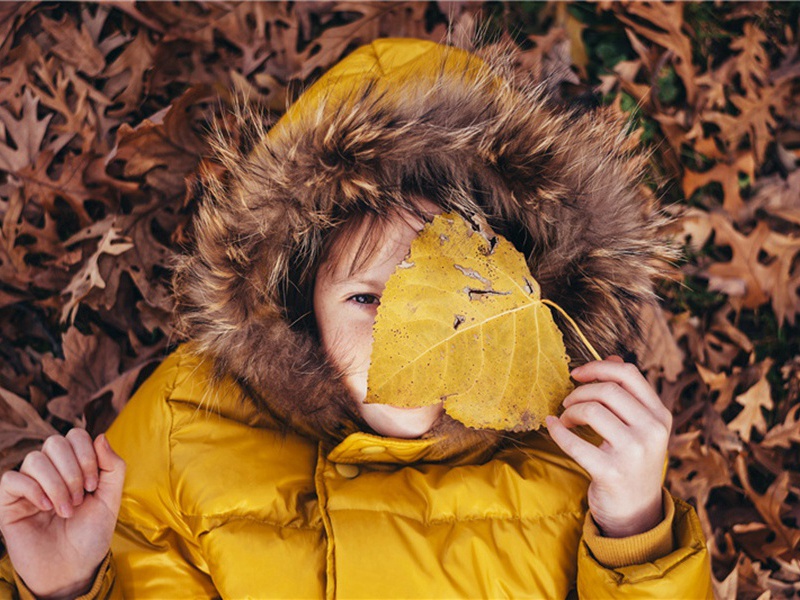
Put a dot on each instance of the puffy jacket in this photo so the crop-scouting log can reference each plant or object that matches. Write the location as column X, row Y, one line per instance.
column 219, row 502
column 250, row 474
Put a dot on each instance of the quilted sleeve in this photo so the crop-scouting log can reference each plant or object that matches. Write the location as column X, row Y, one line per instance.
column 652, row 565
column 154, row 554
column 104, row 587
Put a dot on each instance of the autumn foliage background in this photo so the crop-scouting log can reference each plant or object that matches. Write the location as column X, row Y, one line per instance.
column 102, row 114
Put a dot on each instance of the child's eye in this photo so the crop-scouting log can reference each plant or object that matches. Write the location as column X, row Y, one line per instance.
column 365, row 299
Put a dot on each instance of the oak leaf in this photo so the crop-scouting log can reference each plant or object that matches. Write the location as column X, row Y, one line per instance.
column 770, row 505
column 89, row 277
column 752, row 63
column 658, row 349
column 728, row 176
column 27, row 133
column 89, row 363
column 786, row 433
column 754, row 399
column 746, row 280
column 127, row 75
column 699, row 469
column 74, row 47
column 462, row 321
column 664, row 24
column 21, row 429
column 756, row 119
column 164, row 148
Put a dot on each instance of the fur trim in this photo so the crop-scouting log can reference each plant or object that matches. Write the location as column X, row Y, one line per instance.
column 565, row 188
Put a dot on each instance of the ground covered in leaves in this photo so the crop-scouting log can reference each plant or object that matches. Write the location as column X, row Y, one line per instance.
column 102, row 114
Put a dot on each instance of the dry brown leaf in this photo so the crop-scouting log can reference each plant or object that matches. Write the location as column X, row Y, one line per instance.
column 47, row 185
column 719, row 382
column 19, row 422
column 26, row 133
column 91, row 363
column 11, row 14
column 752, row 62
column 786, row 433
column 142, row 260
column 164, row 148
column 658, row 349
column 785, row 288
column 14, row 74
column 727, row 587
column 246, row 27
column 755, row 399
column 127, row 75
column 74, row 47
column 667, row 31
column 728, row 176
column 756, row 119
column 744, row 278
column 63, row 91
column 713, row 86
column 718, row 433
column 770, row 505
column 779, row 196
column 89, row 277
column 15, row 273
column 700, row 469
column 549, row 60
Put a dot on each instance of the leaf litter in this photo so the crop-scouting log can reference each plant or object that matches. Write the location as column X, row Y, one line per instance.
column 100, row 110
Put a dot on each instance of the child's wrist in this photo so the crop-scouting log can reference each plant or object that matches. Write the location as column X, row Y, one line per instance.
column 632, row 523
column 71, row 590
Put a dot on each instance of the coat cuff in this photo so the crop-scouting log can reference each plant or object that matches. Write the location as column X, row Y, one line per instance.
column 102, row 588
column 636, row 549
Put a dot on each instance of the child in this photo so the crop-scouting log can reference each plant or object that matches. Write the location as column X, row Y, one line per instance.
column 253, row 467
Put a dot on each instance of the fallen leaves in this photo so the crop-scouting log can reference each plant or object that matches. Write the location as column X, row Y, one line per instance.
column 102, row 115
column 714, row 93
column 102, row 109
column 21, row 429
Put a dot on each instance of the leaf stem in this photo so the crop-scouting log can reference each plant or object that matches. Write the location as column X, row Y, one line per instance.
column 575, row 326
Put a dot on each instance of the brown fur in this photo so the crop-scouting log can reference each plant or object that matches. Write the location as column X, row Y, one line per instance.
column 563, row 187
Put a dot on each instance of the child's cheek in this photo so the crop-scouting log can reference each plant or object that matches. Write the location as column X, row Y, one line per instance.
column 350, row 348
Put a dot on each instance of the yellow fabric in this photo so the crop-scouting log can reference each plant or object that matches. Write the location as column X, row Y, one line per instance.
column 214, row 505
column 383, row 62
column 684, row 573
column 103, row 588
column 636, row 549
column 219, row 501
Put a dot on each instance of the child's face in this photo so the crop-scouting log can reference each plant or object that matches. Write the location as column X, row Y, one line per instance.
column 345, row 306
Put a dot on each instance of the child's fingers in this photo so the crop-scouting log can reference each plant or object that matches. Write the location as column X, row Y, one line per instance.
column 83, row 448
column 112, row 472
column 38, row 466
column 588, row 456
column 599, row 418
column 629, row 377
column 14, row 486
column 63, row 458
column 614, row 397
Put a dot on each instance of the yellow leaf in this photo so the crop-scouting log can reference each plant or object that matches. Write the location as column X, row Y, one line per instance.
column 462, row 320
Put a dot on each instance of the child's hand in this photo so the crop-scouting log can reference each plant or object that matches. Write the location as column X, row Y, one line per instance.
column 57, row 514
column 626, row 469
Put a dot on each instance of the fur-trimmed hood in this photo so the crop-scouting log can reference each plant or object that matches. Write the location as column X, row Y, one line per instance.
column 395, row 119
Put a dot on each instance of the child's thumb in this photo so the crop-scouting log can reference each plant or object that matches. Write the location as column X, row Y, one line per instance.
column 112, row 472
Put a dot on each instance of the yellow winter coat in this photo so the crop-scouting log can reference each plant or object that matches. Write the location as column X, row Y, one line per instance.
column 225, row 498
column 219, row 503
